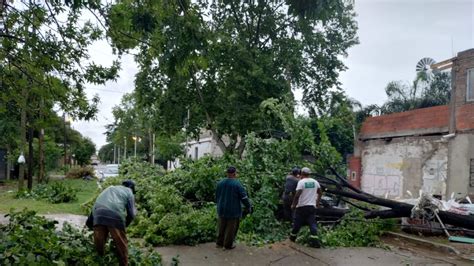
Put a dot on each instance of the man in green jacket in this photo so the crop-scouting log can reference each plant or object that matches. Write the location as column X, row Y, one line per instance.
column 230, row 194
column 114, row 209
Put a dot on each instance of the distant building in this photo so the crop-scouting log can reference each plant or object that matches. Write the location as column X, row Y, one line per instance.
column 206, row 145
column 429, row 149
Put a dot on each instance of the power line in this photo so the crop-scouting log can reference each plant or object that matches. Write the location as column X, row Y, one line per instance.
column 106, row 90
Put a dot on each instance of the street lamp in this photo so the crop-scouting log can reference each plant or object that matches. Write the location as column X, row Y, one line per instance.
column 135, row 139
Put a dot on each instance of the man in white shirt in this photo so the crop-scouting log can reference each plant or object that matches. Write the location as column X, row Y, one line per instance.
column 306, row 200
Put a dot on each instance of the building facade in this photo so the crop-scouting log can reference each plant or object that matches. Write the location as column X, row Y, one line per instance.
column 429, row 149
column 206, row 145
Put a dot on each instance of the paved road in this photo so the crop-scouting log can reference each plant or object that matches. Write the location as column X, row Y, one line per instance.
column 287, row 253
column 77, row 221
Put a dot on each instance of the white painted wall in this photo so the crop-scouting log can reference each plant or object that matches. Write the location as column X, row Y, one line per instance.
column 461, row 152
column 391, row 168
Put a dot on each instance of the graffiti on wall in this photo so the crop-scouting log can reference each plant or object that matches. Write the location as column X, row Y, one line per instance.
column 383, row 179
column 434, row 176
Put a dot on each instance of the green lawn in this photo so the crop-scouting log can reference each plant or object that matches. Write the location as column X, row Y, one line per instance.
column 86, row 189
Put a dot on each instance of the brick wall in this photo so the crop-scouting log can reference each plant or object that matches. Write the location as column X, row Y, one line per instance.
column 465, row 117
column 354, row 172
column 464, row 109
column 420, row 121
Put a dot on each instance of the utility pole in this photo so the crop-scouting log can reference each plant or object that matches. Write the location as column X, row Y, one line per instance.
column 115, row 149
column 135, row 148
column 118, row 154
column 65, row 137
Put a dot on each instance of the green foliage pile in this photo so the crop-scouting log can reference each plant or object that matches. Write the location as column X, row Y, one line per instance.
column 80, row 172
column 32, row 240
column 352, row 231
column 55, row 192
column 166, row 216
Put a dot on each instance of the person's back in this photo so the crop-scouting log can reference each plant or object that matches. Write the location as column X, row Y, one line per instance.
column 289, row 191
column 307, row 199
column 229, row 195
column 290, row 187
column 111, row 206
column 114, row 209
column 309, row 193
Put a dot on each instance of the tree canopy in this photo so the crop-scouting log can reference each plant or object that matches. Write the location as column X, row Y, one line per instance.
column 45, row 65
column 219, row 60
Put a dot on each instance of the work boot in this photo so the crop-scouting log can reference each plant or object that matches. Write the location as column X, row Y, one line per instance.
column 229, row 248
column 314, row 242
column 293, row 237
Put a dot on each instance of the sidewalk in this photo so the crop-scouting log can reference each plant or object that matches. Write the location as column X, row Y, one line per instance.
column 287, row 253
column 77, row 221
column 435, row 245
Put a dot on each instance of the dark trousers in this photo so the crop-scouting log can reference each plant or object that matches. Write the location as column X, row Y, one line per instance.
column 288, row 213
column 305, row 215
column 101, row 233
column 228, row 228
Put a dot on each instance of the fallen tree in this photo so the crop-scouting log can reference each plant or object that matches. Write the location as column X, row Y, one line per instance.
column 340, row 187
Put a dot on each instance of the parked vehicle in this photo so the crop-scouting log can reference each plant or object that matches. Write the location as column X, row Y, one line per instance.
column 110, row 170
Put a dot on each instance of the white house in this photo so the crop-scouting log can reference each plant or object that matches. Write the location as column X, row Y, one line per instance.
column 204, row 146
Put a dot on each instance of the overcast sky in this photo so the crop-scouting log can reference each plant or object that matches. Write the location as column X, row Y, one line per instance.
column 394, row 35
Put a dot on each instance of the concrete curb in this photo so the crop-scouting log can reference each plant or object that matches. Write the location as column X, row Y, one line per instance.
column 430, row 244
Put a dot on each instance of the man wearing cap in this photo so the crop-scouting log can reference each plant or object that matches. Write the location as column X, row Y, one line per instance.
column 289, row 192
column 230, row 195
column 305, row 202
column 114, row 209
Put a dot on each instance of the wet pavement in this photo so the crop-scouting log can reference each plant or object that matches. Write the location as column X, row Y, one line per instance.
column 77, row 221
column 287, row 253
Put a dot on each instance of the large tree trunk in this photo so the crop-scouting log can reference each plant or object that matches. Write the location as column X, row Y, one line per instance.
column 153, row 149
column 30, row 156
column 150, row 146
column 370, row 199
column 241, row 147
column 220, row 143
column 9, row 162
column 385, row 214
column 41, row 172
column 400, row 209
column 331, row 213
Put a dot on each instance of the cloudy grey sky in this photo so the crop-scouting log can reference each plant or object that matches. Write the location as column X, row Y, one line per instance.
column 393, row 34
